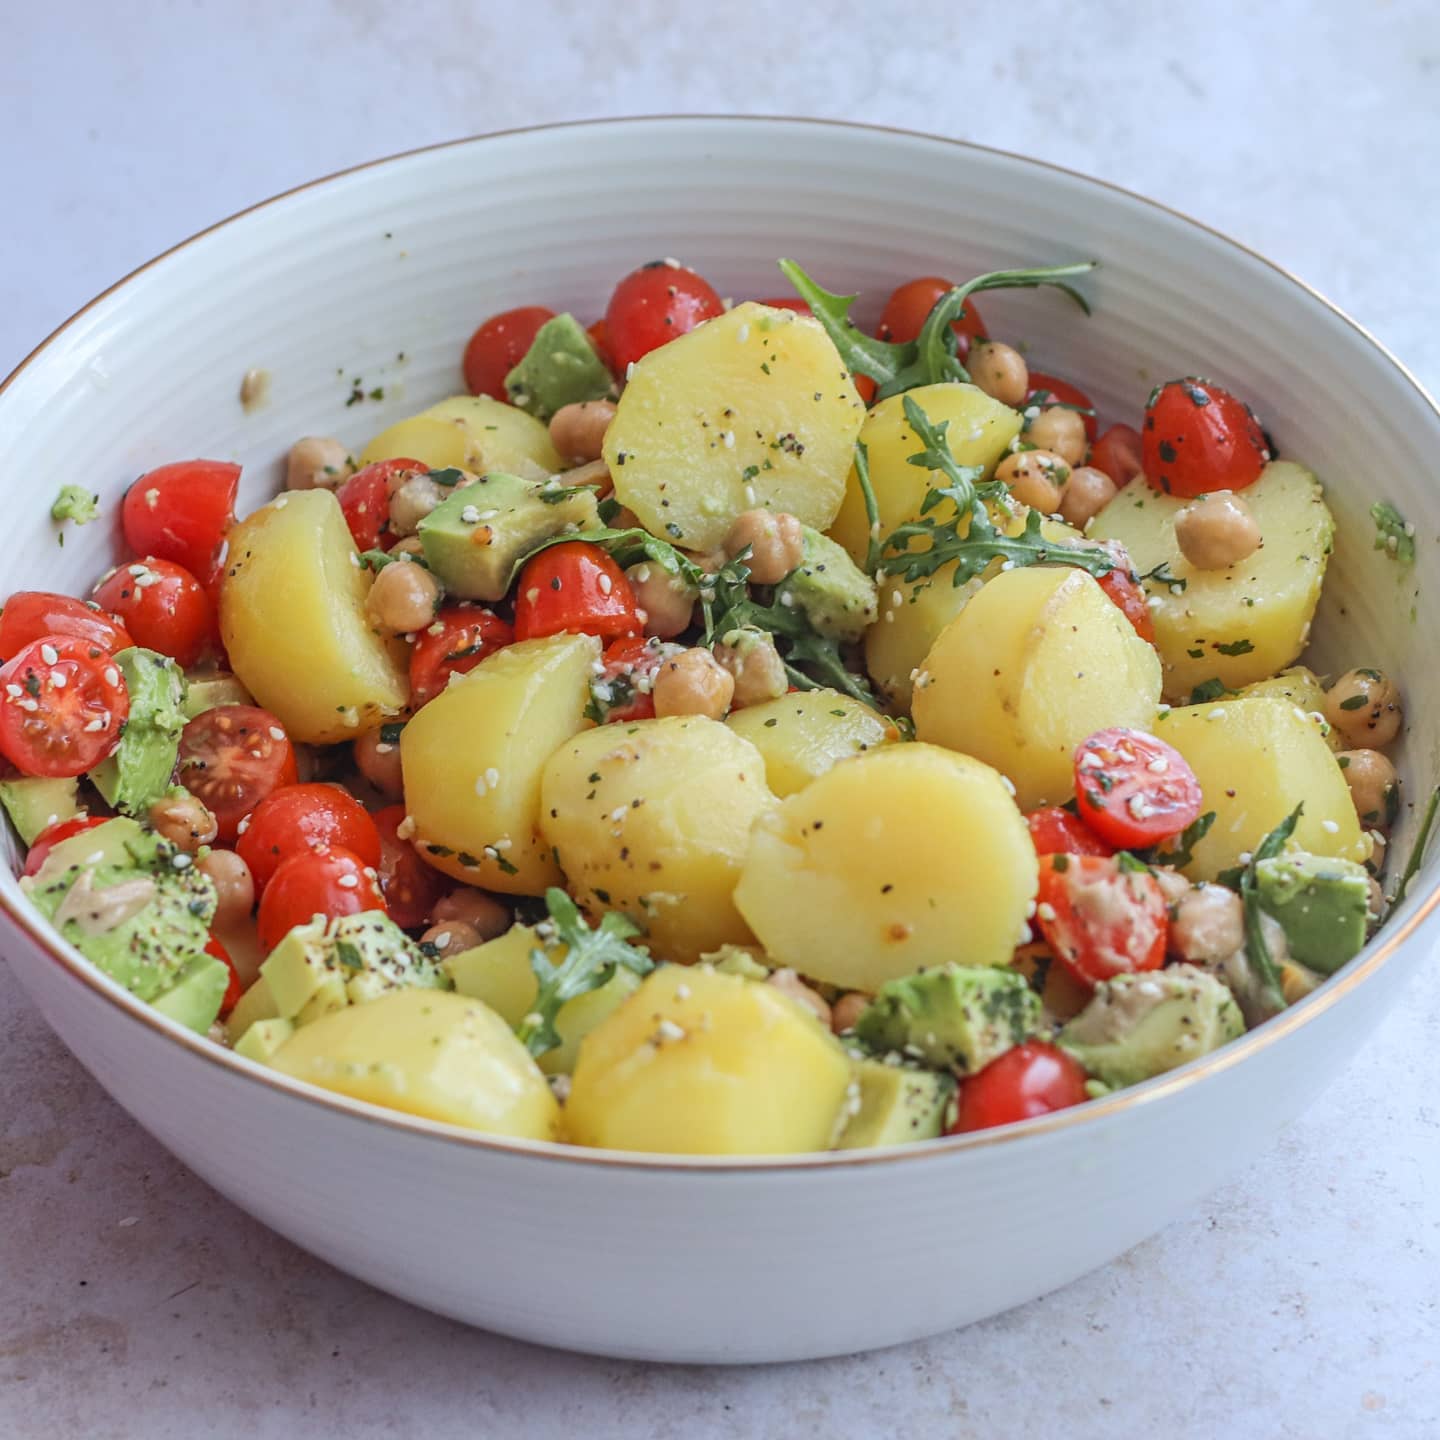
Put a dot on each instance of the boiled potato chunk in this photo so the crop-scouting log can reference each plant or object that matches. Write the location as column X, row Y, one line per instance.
column 1302, row 688
column 430, row 1053
column 908, row 856
column 469, row 432
column 440, row 444
column 700, row 1063
column 753, row 408
column 981, row 430
column 1256, row 760
column 1243, row 623
column 653, row 818
column 472, row 758
column 804, row 734
column 292, row 615
column 1039, row 659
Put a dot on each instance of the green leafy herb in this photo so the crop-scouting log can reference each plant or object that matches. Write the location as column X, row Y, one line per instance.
column 377, row 560
column 1127, row 862
column 1257, row 950
column 391, row 731
column 872, row 507
column 1235, row 647
column 555, row 494
column 448, row 477
column 348, row 954
column 1208, row 690
column 1393, row 533
column 1417, row 850
column 1181, row 849
column 625, row 548
column 1163, row 575
column 75, row 503
column 1355, row 702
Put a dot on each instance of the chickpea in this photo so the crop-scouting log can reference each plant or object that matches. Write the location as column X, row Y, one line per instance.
column 234, row 886
column 1035, row 478
column 578, row 431
column 317, row 463
column 484, row 914
column 847, row 1010
column 1216, row 531
column 411, row 501
column 451, row 938
column 1374, row 786
column 668, row 602
column 1209, row 924
column 776, row 541
column 789, row 983
column 378, row 760
column 693, row 683
column 1060, row 430
column 183, row 821
column 1173, row 885
column 999, row 370
column 403, row 599
column 751, row 657
column 1364, row 708
column 1087, row 492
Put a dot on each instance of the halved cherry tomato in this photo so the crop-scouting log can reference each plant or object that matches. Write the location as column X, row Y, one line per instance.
column 234, row 989
column 365, row 499
column 1129, row 596
column 630, row 667
column 63, row 705
column 52, row 835
column 231, row 758
column 163, row 606
column 329, row 882
column 1058, row 832
column 1100, row 918
column 1117, row 453
column 1032, row 1079
column 304, row 817
column 909, row 306
column 1198, row 437
column 1133, row 788
column 410, row 886
column 458, row 640
column 182, row 513
column 498, row 346
column 29, row 614
column 653, row 305
column 574, row 587
column 1062, row 392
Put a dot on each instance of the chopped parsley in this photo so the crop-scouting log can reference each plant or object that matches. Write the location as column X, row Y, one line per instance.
column 77, row 504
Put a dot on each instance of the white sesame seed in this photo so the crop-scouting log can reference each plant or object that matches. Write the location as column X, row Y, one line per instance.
column 243, row 826
column 276, row 733
column 618, row 813
column 348, row 882
column 182, row 861
column 57, row 680
column 743, row 334
column 492, row 777
column 92, row 727
column 406, row 828
column 14, row 691
column 49, row 654
column 479, row 784
column 470, row 515
column 1158, row 766
column 1216, row 714
column 441, row 940
column 606, row 583
column 669, row 1030
column 1330, row 827
column 682, row 992
column 727, row 439
column 1045, row 910
column 152, row 498
column 112, row 675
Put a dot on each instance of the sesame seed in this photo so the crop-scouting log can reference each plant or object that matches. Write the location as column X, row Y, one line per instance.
column 743, row 334
column 682, row 992
column 348, row 882
column 49, row 654
column 276, row 733
column 669, row 1030
column 112, row 675
column 492, row 777
column 1158, row 766
column 479, row 784
column 1045, row 910
column 58, row 680
column 1330, row 827
column 606, row 583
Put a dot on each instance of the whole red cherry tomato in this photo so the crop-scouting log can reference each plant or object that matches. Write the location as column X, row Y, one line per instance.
column 296, row 818
column 1032, row 1079
column 1057, row 832
column 30, row 614
column 1133, row 788
column 630, row 668
column 1062, row 392
column 498, row 346
column 234, row 989
column 600, row 338
column 460, row 637
column 182, row 513
column 330, row 882
column 1198, row 437
column 63, row 705
column 231, row 758
column 574, row 587
column 410, row 886
column 654, row 304
column 1100, row 918
column 163, row 606
column 52, row 835
column 910, row 305
column 1117, row 453
column 365, row 499
column 1129, row 596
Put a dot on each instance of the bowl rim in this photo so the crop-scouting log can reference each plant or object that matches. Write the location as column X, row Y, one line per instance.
column 1162, row 1087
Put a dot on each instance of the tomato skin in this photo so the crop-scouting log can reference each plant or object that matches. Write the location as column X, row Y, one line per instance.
column 1198, row 438
column 29, row 614
column 1101, row 920
column 628, row 658
column 181, row 513
column 1064, row 393
column 1117, row 453
column 63, row 705
column 574, row 587
column 911, row 303
column 365, row 499
column 330, row 882
column 296, row 818
column 52, row 835
column 410, row 886
column 498, row 346
column 1056, row 831
column 1133, row 788
column 1032, row 1079
column 231, row 758
column 171, row 613
column 458, row 640
column 654, row 304
column 1129, row 597
column 234, row 990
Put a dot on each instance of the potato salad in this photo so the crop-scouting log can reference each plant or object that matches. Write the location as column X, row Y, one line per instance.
column 721, row 730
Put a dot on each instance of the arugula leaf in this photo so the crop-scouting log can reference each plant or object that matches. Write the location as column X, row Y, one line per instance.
column 377, row 560
column 625, row 548
column 1257, row 950
column 1180, row 850
column 592, row 958
column 1417, row 850
column 1163, row 575
column 1393, row 533
column 1208, row 690
column 872, row 507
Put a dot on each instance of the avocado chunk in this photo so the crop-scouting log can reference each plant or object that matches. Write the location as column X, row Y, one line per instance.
column 1322, row 905
column 475, row 537
column 560, row 368
column 211, row 691
column 895, row 1104
column 739, row 960
column 1140, row 1025
column 195, row 997
column 35, row 804
column 837, row 597
column 955, row 1017
column 256, row 1004
column 260, row 1041
column 138, row 771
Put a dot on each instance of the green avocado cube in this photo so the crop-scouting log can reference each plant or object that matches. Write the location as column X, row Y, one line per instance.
column 195, row 997
column 263, row 1038
column 560, row 368
column 894, row 1105
column 1323, row 906
column 36, row 804
column 837, row 597
column 138, row 772
column 212, row 691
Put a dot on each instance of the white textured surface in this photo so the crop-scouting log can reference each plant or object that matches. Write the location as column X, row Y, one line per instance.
column 1301, row 1301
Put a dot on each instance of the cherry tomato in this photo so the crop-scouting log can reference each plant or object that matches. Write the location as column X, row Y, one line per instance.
column 234, row 990
column 600, row 338
column 574, row 587
column 908, row 307
column 498, row 346
column 329, row 882
column 1129, row 596
column 1032, row 1079
column 628, row 661
column 163, row 606
column 865, row 387
column 29, row 614
column 231, row 758
column 1064, row 393
column 410, row 886
column 296, row 818
column 1101, row 919
column 1133, row 788
column 458, row 640
column 788, row 302
column 1117, row 453
column 654, row 304
column 365, row 499
column 1058, row 832
column 182, row 513
column 1198, row 437
column 63, row 705
column 52, row 835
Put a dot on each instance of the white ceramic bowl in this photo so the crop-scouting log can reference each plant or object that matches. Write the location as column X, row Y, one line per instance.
column 704, row 1260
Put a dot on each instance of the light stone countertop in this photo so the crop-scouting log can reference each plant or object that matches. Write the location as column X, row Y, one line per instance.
column 1301, row 1301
